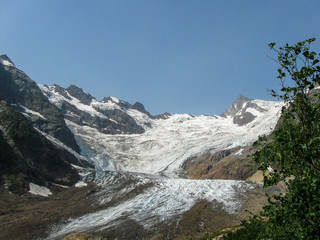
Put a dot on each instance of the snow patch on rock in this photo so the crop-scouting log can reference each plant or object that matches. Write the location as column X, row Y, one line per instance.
column 6, row 63
column 80, row 184
column 39, row 190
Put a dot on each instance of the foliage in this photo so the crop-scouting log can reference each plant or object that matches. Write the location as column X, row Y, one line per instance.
column 293, row 153
column 249, row 230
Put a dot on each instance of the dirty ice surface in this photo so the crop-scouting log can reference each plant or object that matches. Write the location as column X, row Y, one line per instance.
column 158, row 204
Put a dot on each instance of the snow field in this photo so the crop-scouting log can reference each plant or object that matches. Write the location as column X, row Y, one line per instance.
column 168, row 143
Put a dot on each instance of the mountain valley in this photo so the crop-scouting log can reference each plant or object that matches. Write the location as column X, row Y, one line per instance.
column 110, row 169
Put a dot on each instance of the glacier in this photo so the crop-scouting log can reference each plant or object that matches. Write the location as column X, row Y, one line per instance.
column 152, row 162
column 164, row 200
column 164, row 147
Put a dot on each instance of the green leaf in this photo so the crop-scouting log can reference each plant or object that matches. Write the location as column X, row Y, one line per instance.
column 271, row 45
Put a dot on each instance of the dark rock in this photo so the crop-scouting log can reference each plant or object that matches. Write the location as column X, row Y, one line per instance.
column 236, row 106
column 16, row 88
column 243, row 119
column 238, row 111
column 126, row 106
column 121, row 122
column 6, row 58
column 140, row 107
column 27, row 156
column 165, row 115
column 61, row 91
column 78, row 93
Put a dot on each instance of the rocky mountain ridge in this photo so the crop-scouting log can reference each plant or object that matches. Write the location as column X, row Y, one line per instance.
column 17, row 89
column 84, row 110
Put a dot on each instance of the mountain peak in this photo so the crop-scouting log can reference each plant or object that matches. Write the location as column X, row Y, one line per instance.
column 140, row 107
column 243, row 111
column 125, row 105
column 242, row 98
column 5, row 60
column 236, row 106
column 78, row 93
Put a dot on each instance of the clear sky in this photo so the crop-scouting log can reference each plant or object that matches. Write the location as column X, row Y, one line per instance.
column 180, row 56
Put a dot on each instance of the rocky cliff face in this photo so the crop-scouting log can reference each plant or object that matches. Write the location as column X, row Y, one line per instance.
column 78, row 93
column 27, row 156
column 108, row 116
column 17, row 89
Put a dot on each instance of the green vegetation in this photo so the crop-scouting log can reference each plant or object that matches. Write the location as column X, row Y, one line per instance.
column 293, row 152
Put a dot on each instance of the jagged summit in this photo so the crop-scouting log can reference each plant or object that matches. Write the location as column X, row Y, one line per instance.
column 243, row 110
column 5, row 60
column 108, row 116
column 236, row 106
column 78, row 93
column 125, row 105
column 112, row 99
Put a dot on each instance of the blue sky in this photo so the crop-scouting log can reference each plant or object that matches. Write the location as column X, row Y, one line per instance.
column 180, row 56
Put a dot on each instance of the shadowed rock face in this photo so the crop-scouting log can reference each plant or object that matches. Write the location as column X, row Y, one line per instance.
column 140, row 107
column 236, row 106
column 120, row 123
column 27, row 156
column 73, row 103
column 78, row 93
column 16, row 88
column 6, row 59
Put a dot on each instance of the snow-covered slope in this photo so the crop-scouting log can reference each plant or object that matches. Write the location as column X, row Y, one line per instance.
column 165, row 143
